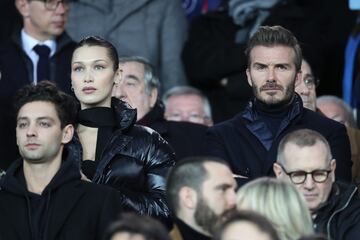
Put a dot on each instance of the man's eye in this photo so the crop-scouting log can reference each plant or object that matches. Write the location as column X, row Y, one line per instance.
column 21, row 125
column 281, row 67
column 260, row 67
column 44, row 124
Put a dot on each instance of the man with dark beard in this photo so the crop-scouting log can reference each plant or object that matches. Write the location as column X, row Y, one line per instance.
column 248, row 142
column 199, row 190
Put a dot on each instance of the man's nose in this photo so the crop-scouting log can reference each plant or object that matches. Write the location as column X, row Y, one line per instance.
column 31, row 131
column 118, row 91
column 271, row 75
column 309, row 182
column 231, row 199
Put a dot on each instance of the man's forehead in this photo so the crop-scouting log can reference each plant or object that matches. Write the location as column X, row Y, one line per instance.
column 299, row 157
column 38, row 109
column 218, row 173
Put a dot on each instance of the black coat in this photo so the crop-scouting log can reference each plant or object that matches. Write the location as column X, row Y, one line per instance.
column 339, row 217
column 135, row 161
column 76, row 209
column 245, row 141
column 16, row 71
column 185, row 137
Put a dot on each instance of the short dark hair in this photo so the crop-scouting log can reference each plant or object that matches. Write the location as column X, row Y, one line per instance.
column 188, row 172
column 270, row 36
column 302, row 138
column 233, row 216
column 100, row 42
column 46, row 91
column 146, row 226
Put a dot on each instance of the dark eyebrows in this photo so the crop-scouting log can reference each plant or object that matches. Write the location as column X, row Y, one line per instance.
column 257, row 64
column 223, row 186
column 37, row 119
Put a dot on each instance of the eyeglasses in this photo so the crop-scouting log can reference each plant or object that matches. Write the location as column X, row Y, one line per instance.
column 299, row 177
column 311, row 82
column 52, row 5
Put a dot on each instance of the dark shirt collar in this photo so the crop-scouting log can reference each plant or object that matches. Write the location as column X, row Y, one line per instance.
column 188, row 233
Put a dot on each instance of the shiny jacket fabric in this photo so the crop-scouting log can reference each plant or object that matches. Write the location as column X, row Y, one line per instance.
column 250, row 148
column 339, row 217
column 135, row 162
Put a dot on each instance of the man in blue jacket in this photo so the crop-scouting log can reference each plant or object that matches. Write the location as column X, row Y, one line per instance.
column 249, row 140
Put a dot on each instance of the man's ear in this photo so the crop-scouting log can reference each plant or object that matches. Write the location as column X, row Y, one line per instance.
column 298, row 78
column 153, row 97
column 23, row 7
column 277, row 170
column 67, row 133
column 333, row 167
column 188, row 197
column 248, row 76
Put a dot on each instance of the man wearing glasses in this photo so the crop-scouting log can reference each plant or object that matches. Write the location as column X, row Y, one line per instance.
column 37, row 51
column 304, row 158
column 306, row 87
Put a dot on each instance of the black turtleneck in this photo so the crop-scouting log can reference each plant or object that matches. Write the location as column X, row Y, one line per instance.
column 189, row 233
column 272, row 115
column 102, row 118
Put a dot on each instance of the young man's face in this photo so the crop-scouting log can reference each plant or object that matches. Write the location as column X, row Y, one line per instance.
column 132, row 89
column 272, row 74
column 217, row 195
column 38, row 132
column 41, row 22
column 308, row 159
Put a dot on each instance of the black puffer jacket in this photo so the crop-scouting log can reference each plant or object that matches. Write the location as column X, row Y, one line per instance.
column 135, row 162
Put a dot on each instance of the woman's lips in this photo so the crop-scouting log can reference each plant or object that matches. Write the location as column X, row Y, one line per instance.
column 88, row 90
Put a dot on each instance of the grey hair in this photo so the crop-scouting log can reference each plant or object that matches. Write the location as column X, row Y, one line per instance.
column 150, row 77
column 187, row 90
column 302, row 138
column 341, row 103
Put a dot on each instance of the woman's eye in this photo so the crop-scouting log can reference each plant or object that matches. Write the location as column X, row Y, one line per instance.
column 99, row 67
column 78, row 69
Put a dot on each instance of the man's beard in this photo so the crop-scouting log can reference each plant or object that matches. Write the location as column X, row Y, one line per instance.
column 289, row 95
column 204, row 216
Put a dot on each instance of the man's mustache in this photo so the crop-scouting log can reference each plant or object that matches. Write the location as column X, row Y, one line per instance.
column 271, row 86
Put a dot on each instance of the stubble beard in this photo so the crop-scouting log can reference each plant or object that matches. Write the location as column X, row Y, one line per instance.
column 204, row 216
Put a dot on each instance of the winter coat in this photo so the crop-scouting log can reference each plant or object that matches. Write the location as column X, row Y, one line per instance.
column 250, row 148
column 339, row 217
column 75, row 209
column 135, row 162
